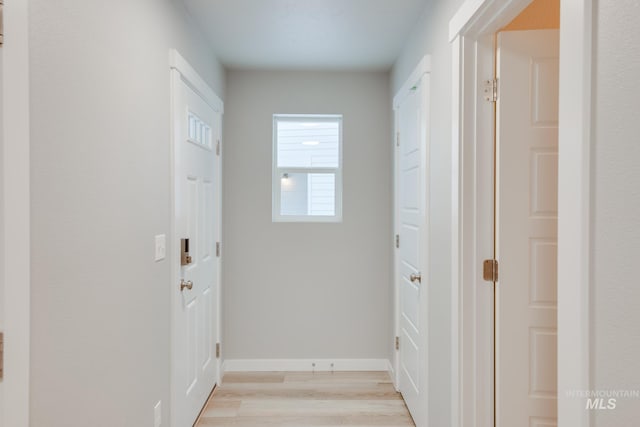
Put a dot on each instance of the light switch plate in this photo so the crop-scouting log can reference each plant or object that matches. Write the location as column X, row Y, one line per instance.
column 161, row 247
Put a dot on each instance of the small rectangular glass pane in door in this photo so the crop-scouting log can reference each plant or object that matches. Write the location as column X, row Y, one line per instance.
column 199, row 132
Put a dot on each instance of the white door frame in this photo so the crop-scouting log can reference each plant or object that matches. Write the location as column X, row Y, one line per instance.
column 423, row 67
column 16, row 215
column 470, row 34
column 181, row 69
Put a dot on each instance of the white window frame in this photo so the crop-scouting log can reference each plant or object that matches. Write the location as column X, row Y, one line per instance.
column 278, row 172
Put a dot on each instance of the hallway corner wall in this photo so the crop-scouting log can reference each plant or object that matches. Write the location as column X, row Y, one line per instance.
column 615, row 213
column 100, row 173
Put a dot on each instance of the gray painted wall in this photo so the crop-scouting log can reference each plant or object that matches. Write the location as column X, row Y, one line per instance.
column 430, row 36
column 307, row 290
column 100, row 192
column 616, row 213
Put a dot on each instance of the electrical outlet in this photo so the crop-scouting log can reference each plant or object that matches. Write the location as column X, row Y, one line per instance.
column 157, row 414
column 161, row 247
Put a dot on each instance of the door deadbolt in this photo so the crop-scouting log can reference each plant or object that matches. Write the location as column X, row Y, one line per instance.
column 185, row 258
column 188, row 284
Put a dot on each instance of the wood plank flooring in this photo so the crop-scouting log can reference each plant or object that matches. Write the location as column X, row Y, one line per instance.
column 297, row 399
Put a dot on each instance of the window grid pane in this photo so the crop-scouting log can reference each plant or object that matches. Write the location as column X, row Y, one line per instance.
column 307, row 194
column 322, row 194
column 308, row 144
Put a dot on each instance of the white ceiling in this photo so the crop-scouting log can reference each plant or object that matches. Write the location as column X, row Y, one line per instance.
column 307, row 34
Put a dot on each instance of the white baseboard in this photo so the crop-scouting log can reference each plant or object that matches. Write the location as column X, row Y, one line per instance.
column 304, row 365
column 392, row 372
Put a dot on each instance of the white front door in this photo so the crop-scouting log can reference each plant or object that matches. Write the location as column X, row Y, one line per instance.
column 412, row 253
column 526, row 243
column 195, row 291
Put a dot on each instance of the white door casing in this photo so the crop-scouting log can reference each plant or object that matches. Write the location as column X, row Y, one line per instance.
column 526, row 231
column 196, row 197
column 412, row 115
column 472, row 142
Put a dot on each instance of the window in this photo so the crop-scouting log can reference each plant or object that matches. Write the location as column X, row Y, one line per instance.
column 307, row 168
column 199, row 131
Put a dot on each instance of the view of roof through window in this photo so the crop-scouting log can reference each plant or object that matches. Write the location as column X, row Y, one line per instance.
column 304, row 144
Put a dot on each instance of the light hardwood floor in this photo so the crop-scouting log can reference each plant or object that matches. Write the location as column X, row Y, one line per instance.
column 297, row 399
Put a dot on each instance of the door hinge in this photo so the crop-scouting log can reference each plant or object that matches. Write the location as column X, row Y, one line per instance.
column 397, row 241
column 490, row 270
column 490, row 90
column 1, row 22
column 397, row 139
column 1, row 356
column 218, row 249
column 218, row 147
column 217, row 350
column 397, row 343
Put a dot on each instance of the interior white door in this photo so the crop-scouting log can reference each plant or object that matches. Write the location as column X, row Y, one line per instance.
column 411, row 202
column 196, row 127
column 526, row 243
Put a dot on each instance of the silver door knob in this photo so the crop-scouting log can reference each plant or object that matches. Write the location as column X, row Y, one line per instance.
column 416, row 278
column 187, row 284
